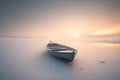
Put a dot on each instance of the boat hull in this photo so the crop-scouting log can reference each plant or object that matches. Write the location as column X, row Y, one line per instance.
column 66, row 56
column 61, row 51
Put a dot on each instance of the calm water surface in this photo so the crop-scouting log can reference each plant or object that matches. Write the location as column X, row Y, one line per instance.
column 26, row 59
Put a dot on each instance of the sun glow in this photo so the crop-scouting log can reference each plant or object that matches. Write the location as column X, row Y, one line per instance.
column 74, row 33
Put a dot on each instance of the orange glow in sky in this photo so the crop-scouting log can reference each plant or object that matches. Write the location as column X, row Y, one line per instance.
column 113, row 31
column 106, row 44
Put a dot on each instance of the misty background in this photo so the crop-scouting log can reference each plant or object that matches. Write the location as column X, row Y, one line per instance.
column 66, row 18
column 90, row 26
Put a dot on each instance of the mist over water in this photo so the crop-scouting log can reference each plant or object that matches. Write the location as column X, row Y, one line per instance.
column 91, row 27
column 26, row 59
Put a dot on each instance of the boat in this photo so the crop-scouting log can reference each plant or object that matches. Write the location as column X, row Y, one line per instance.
column 61, row 51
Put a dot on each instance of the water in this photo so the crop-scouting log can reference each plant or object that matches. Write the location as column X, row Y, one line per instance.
column 26, row 59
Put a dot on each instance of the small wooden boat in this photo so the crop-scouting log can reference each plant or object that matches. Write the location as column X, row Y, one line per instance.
column 61, row 51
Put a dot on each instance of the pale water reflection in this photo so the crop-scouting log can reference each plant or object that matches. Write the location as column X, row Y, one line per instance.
column 26, row 59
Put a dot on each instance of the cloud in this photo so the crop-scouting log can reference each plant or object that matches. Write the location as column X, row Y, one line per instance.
column 111, row 35
column 13, row 36
column 112, row 40
column 113, row 32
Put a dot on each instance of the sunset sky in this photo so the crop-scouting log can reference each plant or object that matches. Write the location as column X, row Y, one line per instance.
column 68, row 18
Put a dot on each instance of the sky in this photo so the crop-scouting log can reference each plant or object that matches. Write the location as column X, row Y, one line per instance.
column 63, row 18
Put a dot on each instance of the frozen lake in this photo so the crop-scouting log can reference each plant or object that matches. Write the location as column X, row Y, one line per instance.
column 26, row 59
